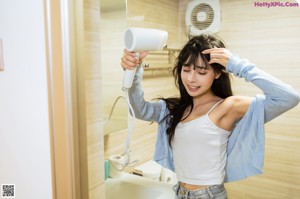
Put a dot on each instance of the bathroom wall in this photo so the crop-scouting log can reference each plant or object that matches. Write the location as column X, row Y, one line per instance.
column 268, row 37
column 89, row 98
column 113, row 23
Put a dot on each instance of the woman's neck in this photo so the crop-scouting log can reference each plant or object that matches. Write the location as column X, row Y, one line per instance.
column 204, row 99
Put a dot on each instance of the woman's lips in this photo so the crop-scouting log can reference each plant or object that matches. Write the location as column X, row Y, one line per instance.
column 193, row 88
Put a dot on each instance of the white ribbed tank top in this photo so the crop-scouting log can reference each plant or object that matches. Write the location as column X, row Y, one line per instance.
column 199, row 149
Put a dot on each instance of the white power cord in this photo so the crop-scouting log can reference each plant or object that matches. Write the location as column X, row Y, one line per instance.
column 119, row 162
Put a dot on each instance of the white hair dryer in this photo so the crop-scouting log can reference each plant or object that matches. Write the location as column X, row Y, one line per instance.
column 142, row 39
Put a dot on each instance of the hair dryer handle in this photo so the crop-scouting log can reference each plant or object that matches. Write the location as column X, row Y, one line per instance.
column 129, row 75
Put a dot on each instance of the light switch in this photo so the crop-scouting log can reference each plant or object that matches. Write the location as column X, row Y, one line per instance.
column 1, row 56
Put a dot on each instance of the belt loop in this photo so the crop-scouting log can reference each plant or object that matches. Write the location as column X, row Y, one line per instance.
column 209, row 191
column 187, row 194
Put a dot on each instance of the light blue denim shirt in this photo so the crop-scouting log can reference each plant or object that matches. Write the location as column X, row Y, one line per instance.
column 245, row 149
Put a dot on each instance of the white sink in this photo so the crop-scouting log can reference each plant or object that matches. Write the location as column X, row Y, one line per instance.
column 130, row 186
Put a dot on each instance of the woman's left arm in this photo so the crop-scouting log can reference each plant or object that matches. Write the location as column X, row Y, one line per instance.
column 280, row 97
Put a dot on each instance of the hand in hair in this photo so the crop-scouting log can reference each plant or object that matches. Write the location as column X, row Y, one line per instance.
column 218, row 55
column 129, row 60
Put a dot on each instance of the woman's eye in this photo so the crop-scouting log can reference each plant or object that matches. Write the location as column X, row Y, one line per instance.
column 186, row 70
column 202, row 72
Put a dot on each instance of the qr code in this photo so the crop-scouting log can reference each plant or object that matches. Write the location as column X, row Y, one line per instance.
column 7, row 190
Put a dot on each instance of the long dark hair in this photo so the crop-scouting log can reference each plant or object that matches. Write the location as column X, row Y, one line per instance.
column 191, row 51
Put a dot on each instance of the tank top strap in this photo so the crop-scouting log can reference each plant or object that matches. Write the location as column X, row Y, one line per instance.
column 214, row 106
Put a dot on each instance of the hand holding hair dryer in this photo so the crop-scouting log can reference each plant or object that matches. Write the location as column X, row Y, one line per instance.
column 142, row 39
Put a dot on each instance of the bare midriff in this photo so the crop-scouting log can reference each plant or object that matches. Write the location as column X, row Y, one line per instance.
column 193, row 187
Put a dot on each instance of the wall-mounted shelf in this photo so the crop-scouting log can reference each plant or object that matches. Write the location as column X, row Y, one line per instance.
column 160, row 63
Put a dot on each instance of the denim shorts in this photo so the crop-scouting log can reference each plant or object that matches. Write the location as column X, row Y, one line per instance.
column 211, row 192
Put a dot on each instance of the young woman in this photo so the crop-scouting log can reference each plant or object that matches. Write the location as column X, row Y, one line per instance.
column 207, row 135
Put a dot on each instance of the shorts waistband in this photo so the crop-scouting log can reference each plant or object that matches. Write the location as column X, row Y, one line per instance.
column 211, row 190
